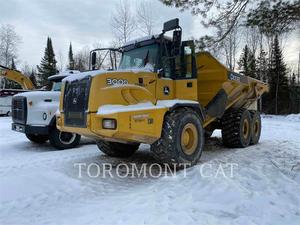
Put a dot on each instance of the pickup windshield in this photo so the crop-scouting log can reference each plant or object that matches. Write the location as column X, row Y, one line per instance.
column 143, row 57
column 56, row 86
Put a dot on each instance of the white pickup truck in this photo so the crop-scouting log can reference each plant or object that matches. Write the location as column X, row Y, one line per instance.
column 33, row 113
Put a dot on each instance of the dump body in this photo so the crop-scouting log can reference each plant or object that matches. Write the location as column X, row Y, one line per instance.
column 220, row 89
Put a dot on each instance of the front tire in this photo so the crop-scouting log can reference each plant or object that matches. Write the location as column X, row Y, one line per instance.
column 36, row 138
column 63, row 140
column 182, row 138
column 115, row 149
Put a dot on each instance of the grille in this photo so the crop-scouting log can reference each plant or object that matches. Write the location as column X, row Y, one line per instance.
column 19, row 109
column 75, row 107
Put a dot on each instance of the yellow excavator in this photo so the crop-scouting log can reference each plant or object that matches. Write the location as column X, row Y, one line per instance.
column 17, row 76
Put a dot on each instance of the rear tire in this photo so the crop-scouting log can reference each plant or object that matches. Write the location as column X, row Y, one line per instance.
column 182, row 138
column 256, row 127
column 39, row 139
column 63, row 140
column 236, row 128
column 115, row 149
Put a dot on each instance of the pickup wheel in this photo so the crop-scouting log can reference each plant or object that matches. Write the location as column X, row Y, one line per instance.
column 182, row 139
column 256, row 127
column 115, row 149
column 236, row 128
column 63, row 140
column 39, row 139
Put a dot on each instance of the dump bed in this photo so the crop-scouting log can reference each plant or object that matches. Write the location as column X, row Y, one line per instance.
column 220, row 89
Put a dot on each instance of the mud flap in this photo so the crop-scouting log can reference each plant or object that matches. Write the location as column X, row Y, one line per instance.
column 216, row 107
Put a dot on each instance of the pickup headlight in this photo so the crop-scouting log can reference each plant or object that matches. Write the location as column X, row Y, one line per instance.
column 109, row 124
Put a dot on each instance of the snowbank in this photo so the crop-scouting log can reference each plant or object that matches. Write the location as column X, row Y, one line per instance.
column 39, row 185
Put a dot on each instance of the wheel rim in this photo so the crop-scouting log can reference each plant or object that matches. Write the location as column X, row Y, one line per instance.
column 189, row 139
column 66, row 138
column 246, row 128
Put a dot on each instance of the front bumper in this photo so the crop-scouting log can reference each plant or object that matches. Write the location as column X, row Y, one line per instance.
column 29, row 129
column 134, row 126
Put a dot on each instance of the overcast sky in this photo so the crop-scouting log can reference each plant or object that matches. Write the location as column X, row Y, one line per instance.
column 87, row 22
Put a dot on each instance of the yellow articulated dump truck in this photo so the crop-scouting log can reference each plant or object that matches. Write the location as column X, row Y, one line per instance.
column 163, row 94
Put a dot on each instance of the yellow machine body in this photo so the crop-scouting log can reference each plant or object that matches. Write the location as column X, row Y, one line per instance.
column 139, row 104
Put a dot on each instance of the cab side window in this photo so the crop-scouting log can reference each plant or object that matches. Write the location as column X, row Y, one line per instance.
column 166, row 61
column 184, row 62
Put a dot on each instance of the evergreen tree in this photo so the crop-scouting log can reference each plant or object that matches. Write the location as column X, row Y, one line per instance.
column 279, row 90
column 243, row 62
column 48, row 64
column 247, row 63
column 32, row 77
column 262, row 66
column 252, row 66
column 71, row 58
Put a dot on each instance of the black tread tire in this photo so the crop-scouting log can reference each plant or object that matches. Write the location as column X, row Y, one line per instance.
column 255, row 116
column 36, row 138
column 232, row 128
column 56, row 142
column 168, row 148
column 208, row 133
column 115, row 149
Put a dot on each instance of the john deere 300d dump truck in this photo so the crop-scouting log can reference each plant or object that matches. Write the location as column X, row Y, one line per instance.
column 163, row 94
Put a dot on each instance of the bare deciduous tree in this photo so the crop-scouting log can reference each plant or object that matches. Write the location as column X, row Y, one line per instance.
column 230, row 44
column 9, row 41
column 145, row 17
column 253, row 38
column 61, row 61
column 81, row 59
column 123, row 22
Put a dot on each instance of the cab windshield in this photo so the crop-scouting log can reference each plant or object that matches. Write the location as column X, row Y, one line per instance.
column 56, row 86
column 143, row 57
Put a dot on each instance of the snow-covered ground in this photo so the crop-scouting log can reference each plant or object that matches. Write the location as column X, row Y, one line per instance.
column 39, row 185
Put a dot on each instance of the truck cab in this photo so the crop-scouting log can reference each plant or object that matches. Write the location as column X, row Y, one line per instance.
column 33, row 113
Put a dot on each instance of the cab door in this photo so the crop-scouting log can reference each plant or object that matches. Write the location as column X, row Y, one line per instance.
column 186, row 73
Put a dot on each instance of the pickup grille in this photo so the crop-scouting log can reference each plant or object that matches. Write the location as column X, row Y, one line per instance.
column 75, row 105
column 19, row 109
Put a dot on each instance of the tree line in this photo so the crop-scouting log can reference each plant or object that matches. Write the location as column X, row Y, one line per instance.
column 247, row 38
column 261, row 26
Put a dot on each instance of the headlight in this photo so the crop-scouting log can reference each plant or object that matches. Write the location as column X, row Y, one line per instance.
column 109, row 124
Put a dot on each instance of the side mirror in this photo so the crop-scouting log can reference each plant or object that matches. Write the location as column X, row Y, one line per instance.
column 94, row 57
column 171, row 25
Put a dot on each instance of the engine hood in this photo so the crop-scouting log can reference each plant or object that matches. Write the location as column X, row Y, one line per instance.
column 41, row 95
column 94, row 73
column 120, row 87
